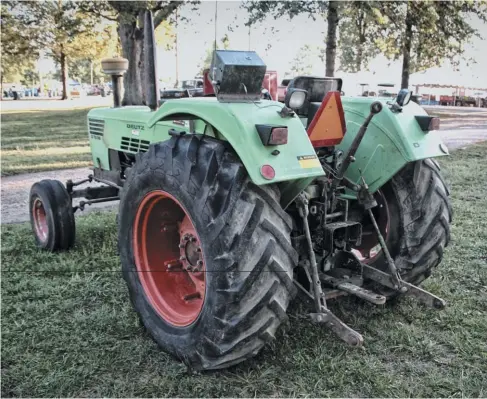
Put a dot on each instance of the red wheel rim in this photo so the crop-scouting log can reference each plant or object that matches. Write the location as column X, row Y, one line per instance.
column 40, row 219
column 370, row 248
column 169, row 258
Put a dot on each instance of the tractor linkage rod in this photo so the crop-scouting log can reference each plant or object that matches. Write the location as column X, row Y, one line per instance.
column 70, row 184
column 82, row 204
column 375, row 108
column 322, row 313
column 369, row 202
column 93, row 195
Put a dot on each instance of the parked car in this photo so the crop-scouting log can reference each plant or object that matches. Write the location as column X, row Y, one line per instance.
column 188, row 88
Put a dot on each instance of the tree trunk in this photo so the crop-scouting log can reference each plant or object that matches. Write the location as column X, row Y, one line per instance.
column 406, row 51
column 331, row 37
column 64, row 76
column 361, row 25
column 132, row 40
column 359, row 57
column 177, row 50
column 91, row 72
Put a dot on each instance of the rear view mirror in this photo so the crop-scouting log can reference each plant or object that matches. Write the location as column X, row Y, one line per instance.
column 295, row 98
column 403, row 97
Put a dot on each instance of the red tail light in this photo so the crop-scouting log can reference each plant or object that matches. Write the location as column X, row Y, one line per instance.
column 272, row 135
column 434, row 124
column 428, row 123
column 278, row 136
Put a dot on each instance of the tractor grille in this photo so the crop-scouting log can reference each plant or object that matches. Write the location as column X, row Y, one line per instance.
column 134, row 145
column 96, row 126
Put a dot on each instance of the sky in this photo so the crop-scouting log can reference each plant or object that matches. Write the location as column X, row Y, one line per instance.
column 278, row 49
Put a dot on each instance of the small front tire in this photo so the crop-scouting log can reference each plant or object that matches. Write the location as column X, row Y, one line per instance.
column 51, row 216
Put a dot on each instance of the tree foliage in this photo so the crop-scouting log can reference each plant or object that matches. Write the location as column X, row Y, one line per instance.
column 129, row 16
column 302, row 63
column 259, row 10
column 19, row 51
column 361, row 25
column 62, row 30
column 424, row 33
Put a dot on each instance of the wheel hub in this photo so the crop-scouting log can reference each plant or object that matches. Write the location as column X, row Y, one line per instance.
column 169, row 259
column 191, row 255
column 40, row 220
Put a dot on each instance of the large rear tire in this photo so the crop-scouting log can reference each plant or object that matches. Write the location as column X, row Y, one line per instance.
column 243, row 236
column 418, row 222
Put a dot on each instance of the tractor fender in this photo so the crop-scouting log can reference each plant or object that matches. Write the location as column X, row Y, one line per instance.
column 235, row 123
column 392, row 140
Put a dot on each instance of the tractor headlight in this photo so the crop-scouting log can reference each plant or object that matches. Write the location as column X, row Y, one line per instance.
column 295, row 98
column 403, row 97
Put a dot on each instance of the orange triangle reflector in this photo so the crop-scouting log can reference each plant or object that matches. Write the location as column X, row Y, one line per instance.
column 328, row 125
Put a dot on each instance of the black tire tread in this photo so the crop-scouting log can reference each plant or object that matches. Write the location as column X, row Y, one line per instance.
column 57, row 203
column 426, row 214
column 250, row 236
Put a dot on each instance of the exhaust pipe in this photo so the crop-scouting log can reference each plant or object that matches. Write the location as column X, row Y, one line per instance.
column 151, row 89
column 115, row 67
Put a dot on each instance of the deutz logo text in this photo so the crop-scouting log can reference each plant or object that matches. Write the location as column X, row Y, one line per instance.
column 137, row 127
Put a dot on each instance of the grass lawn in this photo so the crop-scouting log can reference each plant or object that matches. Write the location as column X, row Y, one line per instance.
column 35, row 141
column 68, row 328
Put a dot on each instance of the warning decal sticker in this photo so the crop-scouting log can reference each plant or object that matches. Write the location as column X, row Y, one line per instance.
column 309, row 161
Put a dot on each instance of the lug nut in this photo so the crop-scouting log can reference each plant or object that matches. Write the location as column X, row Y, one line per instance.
column 199, row 263
column 181, row 245
column 198, row 249
column 193, row 239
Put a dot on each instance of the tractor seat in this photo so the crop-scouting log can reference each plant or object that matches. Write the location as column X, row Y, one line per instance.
column 317, row 89
column 312, row 110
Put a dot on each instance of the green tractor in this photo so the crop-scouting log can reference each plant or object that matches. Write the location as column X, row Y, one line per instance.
column 231, row 205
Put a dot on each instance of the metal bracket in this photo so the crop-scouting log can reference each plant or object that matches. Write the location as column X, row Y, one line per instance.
column 322, row 313
column 347, row 334
column 423, row 296
column 353, row 289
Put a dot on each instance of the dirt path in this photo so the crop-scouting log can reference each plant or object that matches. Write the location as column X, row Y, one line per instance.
column 15, row 189
column 15, row 193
